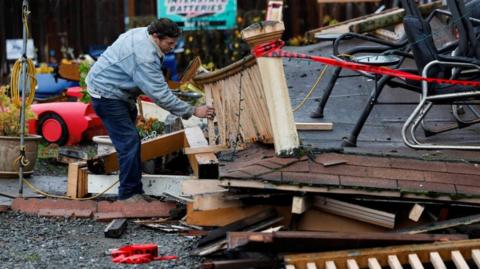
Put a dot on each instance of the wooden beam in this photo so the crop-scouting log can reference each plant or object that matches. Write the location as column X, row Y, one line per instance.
column 155, row 185
column 75, row 180
column 150, row 149
column 356, row 212
column 192, row 187
column 300, row 241
column 370, row 22
column 314, row 126
column 416, row 212
column 204, row 165
column 285, row 136
column 440, row 225
column 300, row 204
column 205, row 149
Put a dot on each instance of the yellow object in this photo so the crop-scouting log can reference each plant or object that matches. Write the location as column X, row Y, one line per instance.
column 16, row 80
column 44, row 69
column 17, row 72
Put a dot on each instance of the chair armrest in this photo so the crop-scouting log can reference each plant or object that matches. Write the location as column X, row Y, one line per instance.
column 451, row 64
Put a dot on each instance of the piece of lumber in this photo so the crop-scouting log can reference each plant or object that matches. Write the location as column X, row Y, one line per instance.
column 393, row 18
column 192, row 187
column 440, row 225
column 220, row 217
column 361, row 255
column 356, row 212
column 285, row 136
column 150, row 149
column 393, row 262
column 476, row 257
column 329, row 265
column 300, row 204
column 437, row 261
column 210, row 122
column 314, row 126
column 295, row 241
column 373, row 263
column 416, row 212
column 204, row 165
column 206, row 250
column 458, row 260
column 221, row 232
column 369, row 22
column 206, row 149
column 211, row 201
column 115, row 228
column 73, row 179
column 414, row 261
column 156, row 185
column 352, row 264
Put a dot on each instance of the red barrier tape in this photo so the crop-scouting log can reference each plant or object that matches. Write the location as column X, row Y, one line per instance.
column 273, row 49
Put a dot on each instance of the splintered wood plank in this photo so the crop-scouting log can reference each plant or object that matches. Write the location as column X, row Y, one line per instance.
column 150, row 149
column 437, row 261
column 458, row 260
column 330, row 265
column 211, row 124
column 393, row 262
column 204, row 165
column 476, row 256
column 373, row 263
column 352, row 264
column 311, row 265
column 414, row 261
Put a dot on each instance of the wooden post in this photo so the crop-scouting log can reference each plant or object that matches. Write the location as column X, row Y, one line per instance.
column 285, row 135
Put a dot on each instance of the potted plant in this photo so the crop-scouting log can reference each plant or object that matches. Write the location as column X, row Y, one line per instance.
column 10, row 138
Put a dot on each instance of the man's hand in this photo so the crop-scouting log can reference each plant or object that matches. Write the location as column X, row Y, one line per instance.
column 204, row 112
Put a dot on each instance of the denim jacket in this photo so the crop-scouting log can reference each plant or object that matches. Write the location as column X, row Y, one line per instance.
column 132, row 61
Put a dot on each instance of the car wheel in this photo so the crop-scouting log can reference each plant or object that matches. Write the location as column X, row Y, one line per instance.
column 53, row 129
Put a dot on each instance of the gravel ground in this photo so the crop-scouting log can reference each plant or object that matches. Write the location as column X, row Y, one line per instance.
column 38, row 242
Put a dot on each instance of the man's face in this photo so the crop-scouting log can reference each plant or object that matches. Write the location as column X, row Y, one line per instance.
column 165, row 44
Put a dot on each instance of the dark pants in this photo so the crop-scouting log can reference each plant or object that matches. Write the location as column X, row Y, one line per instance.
column 119, row 118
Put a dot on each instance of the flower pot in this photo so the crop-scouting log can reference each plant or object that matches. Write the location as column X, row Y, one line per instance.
column 104, row 144
column 10, row 150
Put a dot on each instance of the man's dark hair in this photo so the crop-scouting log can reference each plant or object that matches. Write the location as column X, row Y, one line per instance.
column 164, row 27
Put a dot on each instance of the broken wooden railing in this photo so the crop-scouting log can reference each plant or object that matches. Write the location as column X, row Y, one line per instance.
column 439, row 255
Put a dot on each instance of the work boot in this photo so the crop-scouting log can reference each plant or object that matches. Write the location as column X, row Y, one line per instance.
column 148, row 198
column 135, row 198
